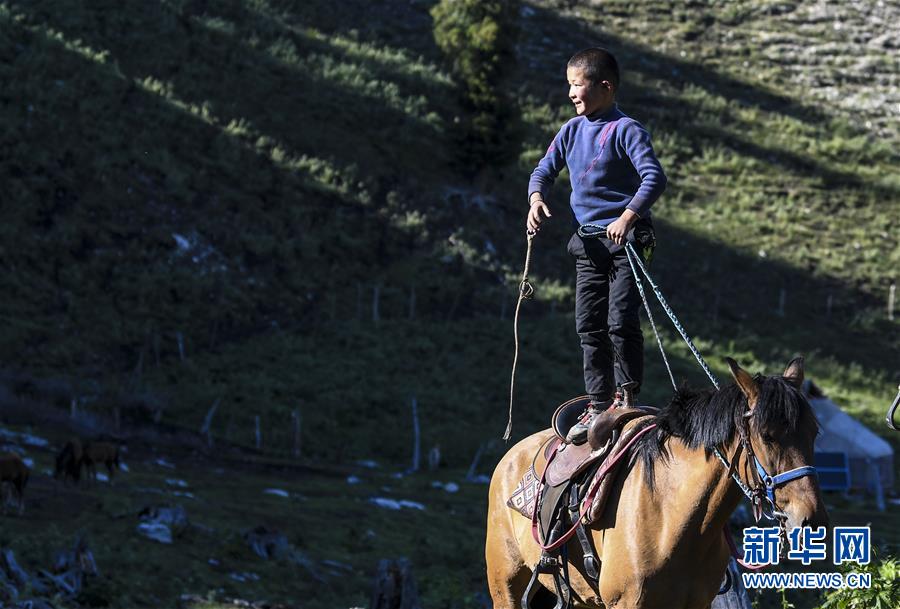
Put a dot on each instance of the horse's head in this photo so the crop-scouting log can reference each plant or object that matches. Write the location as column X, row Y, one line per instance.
column 780, row 428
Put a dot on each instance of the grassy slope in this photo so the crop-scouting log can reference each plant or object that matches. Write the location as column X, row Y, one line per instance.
column 288, row 121
column 341, row 546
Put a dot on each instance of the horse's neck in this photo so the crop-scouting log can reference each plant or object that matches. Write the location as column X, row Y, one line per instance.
column 696, row 488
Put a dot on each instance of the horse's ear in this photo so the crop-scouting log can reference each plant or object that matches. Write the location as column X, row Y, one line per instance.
column 745, row 382
column 794, row 372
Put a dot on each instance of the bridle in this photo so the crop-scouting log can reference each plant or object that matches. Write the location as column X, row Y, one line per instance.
column 760, row 488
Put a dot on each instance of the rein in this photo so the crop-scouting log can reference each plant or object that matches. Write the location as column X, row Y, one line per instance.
column 762, row 495
column 890, row 413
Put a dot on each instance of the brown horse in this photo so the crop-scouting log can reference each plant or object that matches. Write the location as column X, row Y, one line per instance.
column 14, row 472
column 661, row 538
column 69, row 461
column 100, row 452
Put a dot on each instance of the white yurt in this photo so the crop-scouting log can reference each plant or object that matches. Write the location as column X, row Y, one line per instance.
column 868, row 458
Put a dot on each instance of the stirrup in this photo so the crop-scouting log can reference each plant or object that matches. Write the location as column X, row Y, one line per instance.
column 578, row 433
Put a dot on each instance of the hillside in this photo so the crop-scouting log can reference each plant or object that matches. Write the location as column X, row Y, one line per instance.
column 257, row 203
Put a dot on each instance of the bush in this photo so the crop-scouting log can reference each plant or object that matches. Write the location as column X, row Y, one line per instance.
column 884, row 593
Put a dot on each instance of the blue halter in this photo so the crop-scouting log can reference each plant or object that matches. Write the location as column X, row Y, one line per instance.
column 773, row 481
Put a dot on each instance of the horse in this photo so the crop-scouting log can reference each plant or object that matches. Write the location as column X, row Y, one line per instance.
column 660, row 537
column 69, row 461
column 15, row 472
column 100, row 452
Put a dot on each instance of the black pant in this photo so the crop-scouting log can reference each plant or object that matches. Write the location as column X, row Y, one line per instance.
column 607, row 303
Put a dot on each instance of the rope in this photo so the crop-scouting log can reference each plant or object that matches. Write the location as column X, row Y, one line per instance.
column 526, row 290
column 632, row 255
column 662, row 351
column 632, row 259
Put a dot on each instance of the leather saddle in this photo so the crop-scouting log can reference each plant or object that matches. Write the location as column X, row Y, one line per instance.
column 571, row 459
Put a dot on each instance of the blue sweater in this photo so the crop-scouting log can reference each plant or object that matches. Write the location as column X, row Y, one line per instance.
column 611, row 163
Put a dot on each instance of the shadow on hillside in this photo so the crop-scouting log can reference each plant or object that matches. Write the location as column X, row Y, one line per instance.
column 668, row 108
column 243, row 65
column 723, row 293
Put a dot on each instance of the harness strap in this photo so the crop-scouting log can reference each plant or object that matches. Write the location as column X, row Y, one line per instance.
column 591, row 564
column 736, row 554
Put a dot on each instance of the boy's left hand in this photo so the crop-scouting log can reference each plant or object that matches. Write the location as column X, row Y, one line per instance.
column 618, row 230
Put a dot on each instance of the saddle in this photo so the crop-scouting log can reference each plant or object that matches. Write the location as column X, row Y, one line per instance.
column 573, row 489
column 605, row 429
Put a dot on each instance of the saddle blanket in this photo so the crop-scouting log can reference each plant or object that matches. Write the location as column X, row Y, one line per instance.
column 523, row 497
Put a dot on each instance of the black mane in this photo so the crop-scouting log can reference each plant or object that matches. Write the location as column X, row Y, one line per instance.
column 708, row 418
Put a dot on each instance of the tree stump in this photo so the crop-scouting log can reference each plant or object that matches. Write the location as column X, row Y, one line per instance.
column 395, row 587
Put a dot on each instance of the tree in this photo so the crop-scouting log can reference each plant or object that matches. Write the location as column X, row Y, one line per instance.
column 478, row 38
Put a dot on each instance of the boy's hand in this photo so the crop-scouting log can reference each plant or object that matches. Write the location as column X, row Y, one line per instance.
column 538, row 207
column 618, row 230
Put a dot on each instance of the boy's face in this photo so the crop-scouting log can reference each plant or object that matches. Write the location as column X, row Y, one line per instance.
column 588, row 97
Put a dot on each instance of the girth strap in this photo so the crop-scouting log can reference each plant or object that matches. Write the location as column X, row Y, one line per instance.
column 591, row 564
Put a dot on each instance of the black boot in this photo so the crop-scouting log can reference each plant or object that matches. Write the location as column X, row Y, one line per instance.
column 579, row 431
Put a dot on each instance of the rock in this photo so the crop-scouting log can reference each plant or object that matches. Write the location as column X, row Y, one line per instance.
column 271, row 544
column 176, row 516
column 394, row 504
column 8, row 591
column 155, row 531
column 268, row 543
column 12, row 569
column 33, row 603
column 161, row 523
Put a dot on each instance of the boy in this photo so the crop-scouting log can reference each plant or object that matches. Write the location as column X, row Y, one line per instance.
column 615, row 178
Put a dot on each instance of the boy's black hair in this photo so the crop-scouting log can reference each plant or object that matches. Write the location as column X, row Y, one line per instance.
column 598, row 64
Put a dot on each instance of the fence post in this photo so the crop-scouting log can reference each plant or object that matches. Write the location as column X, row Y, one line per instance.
column 180, row 338
column 296, row 423
column 258, row 434
column 434, row 457
column 415, row 416
column 205, row 429
column 470, row 475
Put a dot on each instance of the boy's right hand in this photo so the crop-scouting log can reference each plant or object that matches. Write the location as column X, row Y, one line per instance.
column 538, row 207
